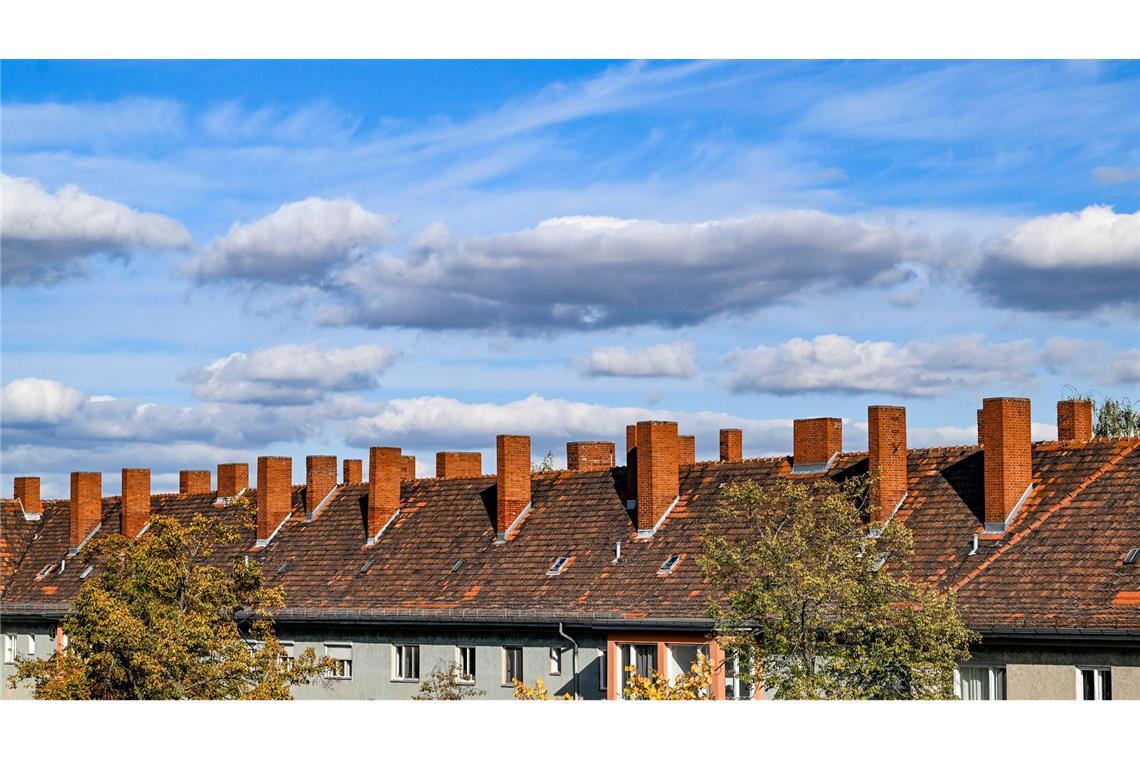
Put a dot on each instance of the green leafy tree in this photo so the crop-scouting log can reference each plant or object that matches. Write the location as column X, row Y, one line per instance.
column 1114, row 418
column 446, row 683
column 819, row 605
column 164, row 620
column 546, row 465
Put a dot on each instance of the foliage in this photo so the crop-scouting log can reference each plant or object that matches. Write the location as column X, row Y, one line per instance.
column 164, row 619
column 823, row 608
column 536, row 692
column 696, row 684
column 546, row 465
column 446, row 683
column 1114, row 418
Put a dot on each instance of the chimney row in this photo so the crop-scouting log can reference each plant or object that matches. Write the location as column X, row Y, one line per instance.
column 385, row 470
column 1074, row 420
column 589, row 456
column 731, row 445
column 512, row 474
column 814, row 442
column 135, row 509
column 353, row 471
column 233, row 478
column 320, row 481
column 458, row 464
column 886, row 459
column 86, row 512
column 193, row 481
column 274, row 495
column 658, row 484
column 686, row 449
column 1008, row 459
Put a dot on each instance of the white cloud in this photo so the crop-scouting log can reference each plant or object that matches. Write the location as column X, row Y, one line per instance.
column 299, row 243
column 582, row 273
column 661, row 360
column 1068, row 262
column 129, row 121
column 839, row 364
column 1091, row 360
column 290, row 374
column 46, row 236
column 32, row 401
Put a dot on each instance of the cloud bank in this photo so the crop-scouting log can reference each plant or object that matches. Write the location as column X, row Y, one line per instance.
column 662, row 360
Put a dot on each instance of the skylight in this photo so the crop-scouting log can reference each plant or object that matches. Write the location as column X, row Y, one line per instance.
column 284, row 566
column 1132, row 556
column 457, row 565
column 668, row 565
column 558, row 566
column 367, row 566
column 86, row 571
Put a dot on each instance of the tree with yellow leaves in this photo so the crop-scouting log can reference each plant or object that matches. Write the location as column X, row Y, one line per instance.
column 693, row 685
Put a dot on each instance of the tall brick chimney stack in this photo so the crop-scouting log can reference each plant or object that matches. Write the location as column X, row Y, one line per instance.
column 1008, row 452
column 589, row 456
column 458, row 464
column 136, row 501
column 193, row 481
column 815, row 442
column 320, row 481
column 631, row 463
column 385, row 470
column 274, row 495
column 658, row 484
column 233, row 478
column 731, row 445
column 686, row 449
column 353, row 471
column 27, row 490
column 512, row 473
column 886, row 460
column 981, row 428
column 408, row 467
column 1075, row 420
column 86, row 512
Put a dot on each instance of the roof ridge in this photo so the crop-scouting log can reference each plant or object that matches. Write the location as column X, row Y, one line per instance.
column 1045, row 514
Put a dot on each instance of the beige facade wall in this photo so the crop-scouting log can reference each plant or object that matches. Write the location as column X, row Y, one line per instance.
column 1052, row 673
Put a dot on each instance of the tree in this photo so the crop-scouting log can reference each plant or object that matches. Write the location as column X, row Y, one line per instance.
column 165, row 619
column 538, row 692
column 693, row 685
column 446, row 683
column 546, row 465
column 1115, row 418
column 816, row 604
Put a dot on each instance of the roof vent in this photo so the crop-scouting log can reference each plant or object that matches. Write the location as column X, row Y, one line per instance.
column 617, row 552
column 558, row 566
column 62, row 567
column 457, row 565
column 367, row 566
column 86, row 571
column 668, row 565
column 44, row 572
column 1132, row 556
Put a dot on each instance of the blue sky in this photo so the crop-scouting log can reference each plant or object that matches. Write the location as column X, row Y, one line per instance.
column 207, row 261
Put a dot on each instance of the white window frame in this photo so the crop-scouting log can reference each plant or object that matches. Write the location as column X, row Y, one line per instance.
column 556, row 661
column 9, row 648
column 1098, row 682
column 603, row 670
column 520, row 675
column 627, row 655
column 290, row 653
column 398, row 671
column 345, row 671
column 991, row 688
column 460, row 670
column 732, row 678
column 31, row 642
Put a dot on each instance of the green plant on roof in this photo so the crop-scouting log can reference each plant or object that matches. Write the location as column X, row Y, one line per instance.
column 1114, row 418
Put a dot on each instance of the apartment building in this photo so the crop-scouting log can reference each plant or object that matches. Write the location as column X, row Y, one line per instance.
column 572, row 575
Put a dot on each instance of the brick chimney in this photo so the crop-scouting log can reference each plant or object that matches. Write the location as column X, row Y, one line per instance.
column 658, row 484
column 385, row 470
column 136, row 501
column 458, row 464
column 686, row 449
column 512, row 474
column 1008, row 459
column 320, row 481
column 233, row 478
column 731, row 445
column 589, row 456
column 193, row 481
column 886, row 459
column 1074, row 420
column 631, row 464
column 274, row 495
column 353, row 471
column 27, row 490
column 981, row 428
column 86, row 510
column 814, row 443
column 408, row 467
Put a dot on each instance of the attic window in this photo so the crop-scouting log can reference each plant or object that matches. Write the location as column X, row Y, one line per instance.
column 367, row 566
column 43, row 573
column 284, row 566
column 457, row 565
column 558, row 566
column 86, row 571
column 668, row 565
column 1132, row 556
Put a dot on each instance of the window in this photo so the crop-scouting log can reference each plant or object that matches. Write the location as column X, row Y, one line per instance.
column 465, row 660
column 31, row 645
column 603, row 670
column 406, row 662
column 641, row 657
column 669, row 564
column 9, row 647
column 555, row 661
column 288, row 656
column 512, row 665
column 682, row 657
column 558, row 566
column 341, row 655
column 735, row 687
column 1094, row 683
column 980, row 683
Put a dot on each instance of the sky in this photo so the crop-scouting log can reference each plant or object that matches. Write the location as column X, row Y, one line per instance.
column 205, row 261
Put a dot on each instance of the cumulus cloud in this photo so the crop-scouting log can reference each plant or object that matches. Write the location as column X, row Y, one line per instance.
column 1069, row 262
column 1091, row 360
column 582, row 273
column 46, row 236
column 33, row 401
column 299, row 243
column 290, row 374
column 662, row 360
column 839, row 364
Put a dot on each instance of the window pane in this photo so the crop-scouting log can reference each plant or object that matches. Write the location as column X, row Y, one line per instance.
column 555, row 661
column 1088, row 684
column 999, row 683
column 975, row 683
column 603, row 670
column 1106, row 684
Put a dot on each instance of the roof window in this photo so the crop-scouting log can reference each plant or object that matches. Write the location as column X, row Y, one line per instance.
column 367, row 566
column 1132, row 556
column 86, row 571
column 668, row 565
column 558, row 566
column 457, row 565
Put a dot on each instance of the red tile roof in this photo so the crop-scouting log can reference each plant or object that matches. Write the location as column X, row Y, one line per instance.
column 1059, row 566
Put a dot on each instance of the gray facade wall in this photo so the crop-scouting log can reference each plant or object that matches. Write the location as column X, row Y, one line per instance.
column 1051, row 672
